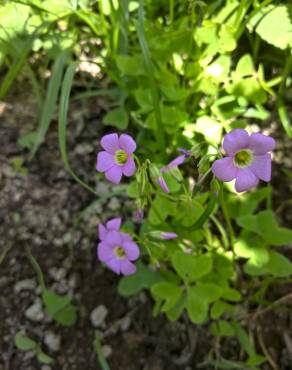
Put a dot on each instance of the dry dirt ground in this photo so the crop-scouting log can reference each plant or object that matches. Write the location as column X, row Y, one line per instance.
column 43, row 209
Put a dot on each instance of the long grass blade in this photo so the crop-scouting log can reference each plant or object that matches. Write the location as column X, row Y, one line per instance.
column 51, row 100
column 123, row 18
column 63, row 111
column 14, row 70
column 158, row 132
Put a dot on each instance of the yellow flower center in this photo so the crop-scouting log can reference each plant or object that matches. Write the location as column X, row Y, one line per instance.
column 120, row 253
column 243, row 158
column 121, row 157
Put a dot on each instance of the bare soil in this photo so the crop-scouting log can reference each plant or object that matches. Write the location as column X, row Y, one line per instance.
column 43, row 209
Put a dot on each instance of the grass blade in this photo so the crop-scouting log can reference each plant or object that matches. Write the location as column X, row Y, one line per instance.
column 101, row 359
column 63, row 110
column 14, row 70
column 158, row 132
column 36, row 267
column 51, row 100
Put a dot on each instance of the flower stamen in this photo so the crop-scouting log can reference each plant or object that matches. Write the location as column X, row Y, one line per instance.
column 243, row 158
column 121, row 157
column 120, row 253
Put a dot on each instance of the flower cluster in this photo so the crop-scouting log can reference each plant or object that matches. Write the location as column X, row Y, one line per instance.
column 248, row 160
column 116, row 248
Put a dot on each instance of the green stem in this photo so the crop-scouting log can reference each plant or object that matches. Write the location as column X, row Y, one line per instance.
column 171, row 12
column 226, row 216
column 269, row 198
column 282, row 111
column 221, row 230
column 36, row 267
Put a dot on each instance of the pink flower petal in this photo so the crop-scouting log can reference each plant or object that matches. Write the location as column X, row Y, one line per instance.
column 168, row 235
column 115, row 265
column 104, row 252
column 110, row 143
column 129, row 168
column 127, row 267
column 176, row 162
column 114, row 174
column 113, row 239
column 102, row 232
column 262, row 167
column 261, row 144
column 235, row 140
column 132, row 250
column 163, row 184
column 114, row 224
column 104, row 161
column 125, row 237
column 245, row 180
column 127, row 143
column 224, row 169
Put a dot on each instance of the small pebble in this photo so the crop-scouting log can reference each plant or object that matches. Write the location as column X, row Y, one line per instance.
column 125, row 323
column 53, row 341
column 57, row 273
column 26, row 284
column 35, row 311
column 114, row 204
column 107, row 350
column 102, row 188
column 98, row 315
column 46, row 367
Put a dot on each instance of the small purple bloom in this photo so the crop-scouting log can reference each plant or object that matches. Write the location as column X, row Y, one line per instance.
column 187, row 153
column 167, row 235
column 174, row 163
column 163, row 184
column 117, row 158
column 113, row 224
column 248, row 159
column 117, row 250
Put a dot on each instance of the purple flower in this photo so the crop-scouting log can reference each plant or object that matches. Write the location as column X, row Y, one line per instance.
column 174, row 163
column 117, row 250
column 187, row 153
column 248, row 159
column 116, row 159
column 162, row 235
column 113, row 224
column 163, row 184
column 167, row 235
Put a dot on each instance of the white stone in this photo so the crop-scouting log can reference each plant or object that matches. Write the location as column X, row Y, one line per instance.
column 114, row 204
column 98, row 315
column 107, row 350
column 35, row 311
column 53, row 341
column 57, row 273
column 26, row 284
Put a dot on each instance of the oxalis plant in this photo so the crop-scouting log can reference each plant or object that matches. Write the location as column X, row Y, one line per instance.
column 181, row 74
column 188, row 250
